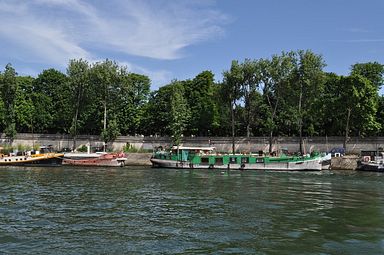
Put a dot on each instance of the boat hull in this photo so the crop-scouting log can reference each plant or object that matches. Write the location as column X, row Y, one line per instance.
column 306, row 165
column 52, row 159
column 100, row 160
column 371, row 167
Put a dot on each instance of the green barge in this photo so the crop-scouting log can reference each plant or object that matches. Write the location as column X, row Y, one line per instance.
column 207, row 158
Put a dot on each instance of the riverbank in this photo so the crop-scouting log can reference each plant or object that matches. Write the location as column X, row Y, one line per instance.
column 347, row 162
column 242, row 144
column 138, row 159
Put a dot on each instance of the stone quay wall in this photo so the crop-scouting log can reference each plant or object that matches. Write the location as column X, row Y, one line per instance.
column 224, row 144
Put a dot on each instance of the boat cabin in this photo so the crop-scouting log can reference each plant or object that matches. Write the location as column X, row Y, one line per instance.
column 367, row 155
column 184, row 153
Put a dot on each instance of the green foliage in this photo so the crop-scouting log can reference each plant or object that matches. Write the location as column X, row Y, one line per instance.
column 199, row 94
column 380, row 114
column 80, row 96
column 8, row 87
column 6, row 149
column 285, row 95
column 49, row 102
column 373, row 71
column 179, row 112
column 129, row 148
column 131, row 102
column 360, row 100
column 82, row 148
column 111, row 132
column 24, row 105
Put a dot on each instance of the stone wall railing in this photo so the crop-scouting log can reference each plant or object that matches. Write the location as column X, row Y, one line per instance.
column 242, row 144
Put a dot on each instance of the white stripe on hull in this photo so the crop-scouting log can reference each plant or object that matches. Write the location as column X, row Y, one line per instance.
column 278, row 166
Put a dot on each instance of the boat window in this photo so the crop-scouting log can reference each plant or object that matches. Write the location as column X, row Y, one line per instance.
column 232, row 160
column 259, row 160
column 219, row 161
column 245, row 160
column 204, row 161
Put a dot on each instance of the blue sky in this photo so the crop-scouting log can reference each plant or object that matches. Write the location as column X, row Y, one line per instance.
column 177, row 39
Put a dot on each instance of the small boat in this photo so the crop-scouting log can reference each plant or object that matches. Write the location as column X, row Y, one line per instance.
column 326, row 161
column 43, row 157
column 207, row 158
column 94, row 159
column 373, row 163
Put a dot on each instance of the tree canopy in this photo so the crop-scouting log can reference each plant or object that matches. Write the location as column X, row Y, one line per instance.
column 288, row 94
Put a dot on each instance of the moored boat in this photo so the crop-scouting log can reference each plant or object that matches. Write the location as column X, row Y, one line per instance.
column 94, row 159
column 44, row 157
column 207, row 158
column 374, row 162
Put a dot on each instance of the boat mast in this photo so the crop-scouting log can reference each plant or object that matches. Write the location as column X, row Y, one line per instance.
column 105, row 120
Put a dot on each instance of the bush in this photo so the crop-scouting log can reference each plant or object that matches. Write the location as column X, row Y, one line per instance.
column 130, row 148
column 82, row 148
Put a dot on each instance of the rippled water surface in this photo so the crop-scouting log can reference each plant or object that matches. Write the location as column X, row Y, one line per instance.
column 150, row 211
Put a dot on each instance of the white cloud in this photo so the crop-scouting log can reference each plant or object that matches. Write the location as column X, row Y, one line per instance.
column 54, row 31
column 155, row 29
column 26, row 36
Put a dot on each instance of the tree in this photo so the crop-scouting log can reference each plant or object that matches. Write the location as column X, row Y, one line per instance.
column 8, row 86
column 134, row 94
column 373, row 71
column 359, row 97
column 111, row 132
column 332, row 107
column 24, row 106
column 105, row 78
column 78, row 72
column 307, row 81
column 179, row 112
column 199, row 93
column 380, row 114
column 248, row 87
column 232, row 89
column 273, row 78
column 48, row 95
column 156, row 113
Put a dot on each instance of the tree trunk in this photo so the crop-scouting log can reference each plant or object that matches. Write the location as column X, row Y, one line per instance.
column 233, row 127
column 75, row 127
column 270, row 142
column 347, row 129
column 105, row 121
column 301, row 120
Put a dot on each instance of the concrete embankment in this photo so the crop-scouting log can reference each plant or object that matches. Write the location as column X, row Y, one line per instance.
column 348, row 162
column 138, row 159
column 242, row 144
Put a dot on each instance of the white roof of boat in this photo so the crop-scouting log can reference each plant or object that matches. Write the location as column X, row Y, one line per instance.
column 194, row 148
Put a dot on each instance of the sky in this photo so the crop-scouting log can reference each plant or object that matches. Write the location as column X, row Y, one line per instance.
column 177, row 39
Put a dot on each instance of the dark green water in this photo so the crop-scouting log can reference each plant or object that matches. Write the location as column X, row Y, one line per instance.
column 150, row 211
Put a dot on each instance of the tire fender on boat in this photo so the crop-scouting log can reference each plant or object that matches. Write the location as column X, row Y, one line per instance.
column 367, row 158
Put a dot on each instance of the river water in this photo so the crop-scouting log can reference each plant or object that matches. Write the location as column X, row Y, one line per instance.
column 138, row 210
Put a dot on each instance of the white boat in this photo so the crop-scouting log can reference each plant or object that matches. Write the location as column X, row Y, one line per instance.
column 371, row 163
column 94, row 159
